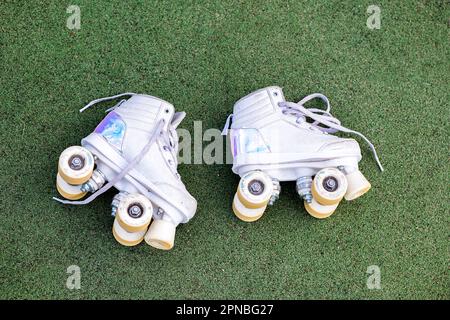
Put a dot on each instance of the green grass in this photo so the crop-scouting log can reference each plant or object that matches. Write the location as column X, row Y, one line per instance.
column 391, row 84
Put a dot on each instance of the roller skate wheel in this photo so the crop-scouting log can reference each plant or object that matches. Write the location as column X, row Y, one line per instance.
column 68, row 191
column 318, row 210
column 126, row 238
column 329, row 186
column 244, row 213
column 357, row 185
column 255, row 189
column 134, row 212
column 161, row 235
column 75, row 165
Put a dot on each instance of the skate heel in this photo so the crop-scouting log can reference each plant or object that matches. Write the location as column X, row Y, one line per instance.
column 357, row 185
column 161, row 235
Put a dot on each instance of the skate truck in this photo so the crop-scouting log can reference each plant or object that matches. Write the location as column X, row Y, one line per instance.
column 134, row 149
column 274, row 140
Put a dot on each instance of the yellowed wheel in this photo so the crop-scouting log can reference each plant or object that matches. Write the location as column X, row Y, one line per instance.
column 329, row 186
column 161, row 235
column 134, row 212
column 357, row 185
column 255, row 189
column 244, row 213
column 318, row 210
column 75, row 165
column 68, row 191
column 126, row 238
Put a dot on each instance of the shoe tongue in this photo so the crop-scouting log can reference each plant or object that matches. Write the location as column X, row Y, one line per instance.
column 177, row 118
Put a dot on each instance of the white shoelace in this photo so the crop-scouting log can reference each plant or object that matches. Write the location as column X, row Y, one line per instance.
column 322, row 117
column 93, row 102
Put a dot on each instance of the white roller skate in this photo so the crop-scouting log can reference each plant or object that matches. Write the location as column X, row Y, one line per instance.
column 135, row 150
column 273, row 140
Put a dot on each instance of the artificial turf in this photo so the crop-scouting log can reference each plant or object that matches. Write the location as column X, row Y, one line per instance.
column 391, row 84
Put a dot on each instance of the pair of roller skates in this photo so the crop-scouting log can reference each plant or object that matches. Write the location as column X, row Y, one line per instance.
column 134, row 149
